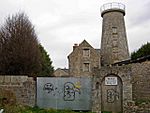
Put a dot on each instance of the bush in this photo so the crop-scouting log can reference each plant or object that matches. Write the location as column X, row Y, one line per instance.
column 144, row 50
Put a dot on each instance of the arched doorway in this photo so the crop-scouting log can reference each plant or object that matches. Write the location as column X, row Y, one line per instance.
column 111, row 93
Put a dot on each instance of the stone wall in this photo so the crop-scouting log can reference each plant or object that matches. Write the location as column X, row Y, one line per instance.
column 136, row 86
column 135, row 80
column 132, row 107
column 18, row 89
column 141, row 81
column 123, row 72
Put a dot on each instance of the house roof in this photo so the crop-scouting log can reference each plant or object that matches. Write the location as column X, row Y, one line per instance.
column 66, row 70
column 61, row 72
column 84, row 42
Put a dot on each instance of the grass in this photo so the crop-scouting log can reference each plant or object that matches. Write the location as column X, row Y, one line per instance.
column 109, row 112
column 106, row 112
column 27, row 109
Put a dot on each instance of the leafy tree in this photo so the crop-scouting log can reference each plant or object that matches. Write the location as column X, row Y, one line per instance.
column 143, row 51
column 47, row 68
column 19, row 47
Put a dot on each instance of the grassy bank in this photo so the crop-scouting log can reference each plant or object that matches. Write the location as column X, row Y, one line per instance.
column 27, row 109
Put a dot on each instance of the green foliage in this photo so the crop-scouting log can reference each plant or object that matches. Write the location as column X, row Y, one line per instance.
column 106, row 112
column 46, row 63
column 19, row 52
column 143, row 51
column 139, row 102
column 27, row 109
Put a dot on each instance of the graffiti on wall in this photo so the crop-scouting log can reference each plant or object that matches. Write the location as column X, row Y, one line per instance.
column 69, row 91
column 64, row 93
column 112, row 95
column 48, row 87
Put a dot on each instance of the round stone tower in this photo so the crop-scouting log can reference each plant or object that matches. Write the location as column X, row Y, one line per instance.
column 114, row 45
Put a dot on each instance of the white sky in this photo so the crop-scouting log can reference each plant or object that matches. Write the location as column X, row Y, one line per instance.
column 61, row 23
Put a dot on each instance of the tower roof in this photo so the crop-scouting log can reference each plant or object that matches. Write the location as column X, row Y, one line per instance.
column 110, row 7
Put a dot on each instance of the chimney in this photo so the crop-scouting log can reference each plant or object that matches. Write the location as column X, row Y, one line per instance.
column 75, row 46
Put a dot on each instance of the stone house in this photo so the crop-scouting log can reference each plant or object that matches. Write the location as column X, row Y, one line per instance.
column 83, row 59
column 61, row 72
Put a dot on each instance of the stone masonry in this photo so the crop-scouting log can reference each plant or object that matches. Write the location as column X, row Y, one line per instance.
column 114, row 45
column 78, row 62
column 141, row 81
column 18, row 89
column 124, row 72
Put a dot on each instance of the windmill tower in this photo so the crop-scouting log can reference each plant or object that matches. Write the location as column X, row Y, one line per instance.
column 114, row 45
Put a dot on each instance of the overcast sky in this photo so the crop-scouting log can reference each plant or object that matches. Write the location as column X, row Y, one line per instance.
column 61, row 23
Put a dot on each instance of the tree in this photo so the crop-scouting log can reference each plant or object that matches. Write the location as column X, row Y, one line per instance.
column 144, row 50
column 47, row 68
column 19, row 47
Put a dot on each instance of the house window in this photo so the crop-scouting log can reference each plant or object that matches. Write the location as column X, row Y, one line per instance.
column 114, row 30
column 86, row 52
column 86, row 67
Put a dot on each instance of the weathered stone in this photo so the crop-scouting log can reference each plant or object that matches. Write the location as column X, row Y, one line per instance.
column 19, row 89
column 114, row 45
column 83, row 54
column 1, row 79
column 140, row 80
column 118, row 71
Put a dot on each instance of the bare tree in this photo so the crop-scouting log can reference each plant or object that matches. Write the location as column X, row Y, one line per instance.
column 19, row 51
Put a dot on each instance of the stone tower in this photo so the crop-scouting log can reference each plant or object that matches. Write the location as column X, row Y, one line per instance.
column 114, row 45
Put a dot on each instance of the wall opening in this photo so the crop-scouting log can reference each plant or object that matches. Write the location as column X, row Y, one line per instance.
column 111, row 93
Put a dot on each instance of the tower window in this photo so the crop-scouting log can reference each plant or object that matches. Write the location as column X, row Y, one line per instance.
column 114, row 43
column 97, row 85
column 86, row 67
column 86, row 52
column 114, row 30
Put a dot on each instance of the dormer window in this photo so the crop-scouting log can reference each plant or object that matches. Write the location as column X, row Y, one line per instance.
column 86, row 52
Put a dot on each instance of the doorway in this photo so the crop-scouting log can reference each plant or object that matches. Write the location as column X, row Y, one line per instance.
column 111, row 93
